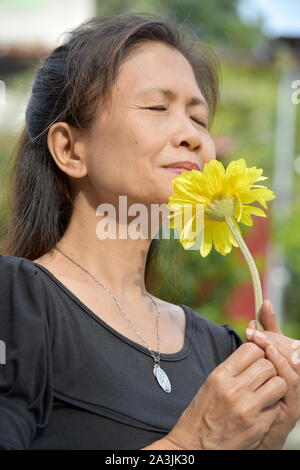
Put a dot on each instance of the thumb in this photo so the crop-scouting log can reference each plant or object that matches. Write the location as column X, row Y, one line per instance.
column 252, row 325
column 268, row 317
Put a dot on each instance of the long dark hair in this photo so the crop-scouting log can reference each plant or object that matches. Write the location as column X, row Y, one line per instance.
column 68, row 85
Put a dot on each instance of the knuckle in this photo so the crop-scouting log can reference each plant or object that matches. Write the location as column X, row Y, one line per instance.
column 215, row 379
column 251, row 348
column 217, row 374
column 221, row 373
column 244, row 413
column 225, row 394
column 266, row 365
column 281, row 383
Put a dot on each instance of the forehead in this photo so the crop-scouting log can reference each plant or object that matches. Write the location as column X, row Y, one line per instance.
column 157, row 68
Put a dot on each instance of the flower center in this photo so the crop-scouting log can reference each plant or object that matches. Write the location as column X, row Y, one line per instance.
column 220, row 208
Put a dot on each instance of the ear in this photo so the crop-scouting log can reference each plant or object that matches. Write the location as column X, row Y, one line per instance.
column 67, row 148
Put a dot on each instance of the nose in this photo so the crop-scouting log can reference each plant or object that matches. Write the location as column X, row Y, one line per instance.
column 187, row 135
column 191, row 143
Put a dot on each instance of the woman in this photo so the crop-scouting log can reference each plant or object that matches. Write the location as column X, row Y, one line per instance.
column 93, row 360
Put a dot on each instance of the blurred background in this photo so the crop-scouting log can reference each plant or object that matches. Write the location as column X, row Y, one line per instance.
column 258, row 45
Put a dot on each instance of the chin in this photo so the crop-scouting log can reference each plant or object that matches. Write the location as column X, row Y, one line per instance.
column 162, row 197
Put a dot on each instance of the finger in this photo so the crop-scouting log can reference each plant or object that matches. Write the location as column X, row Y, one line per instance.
column 283, row 367
column 270, row 413
column 258, row 337
column 268, row 317
column 252, row 325
column 271, row 391
column 258, row 373
column 288, row 347
column 242, row 358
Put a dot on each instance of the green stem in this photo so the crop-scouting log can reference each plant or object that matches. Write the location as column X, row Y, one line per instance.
column 253, row 270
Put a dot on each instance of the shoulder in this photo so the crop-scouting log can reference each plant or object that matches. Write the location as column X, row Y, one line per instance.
column 21, row 285
column 13, row 266
column 26, row 378
column 23, row 305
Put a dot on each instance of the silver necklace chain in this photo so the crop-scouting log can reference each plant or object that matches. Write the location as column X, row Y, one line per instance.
column 159, row 374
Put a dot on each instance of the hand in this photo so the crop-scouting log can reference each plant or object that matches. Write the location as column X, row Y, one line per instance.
column 289, row 404
column 286, row 362
column 235, row 407
column 288, row 347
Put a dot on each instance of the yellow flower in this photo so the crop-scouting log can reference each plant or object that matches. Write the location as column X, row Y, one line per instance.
column 226, row 195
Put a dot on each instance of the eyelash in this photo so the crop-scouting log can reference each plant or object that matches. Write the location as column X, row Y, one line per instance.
column 157, row 108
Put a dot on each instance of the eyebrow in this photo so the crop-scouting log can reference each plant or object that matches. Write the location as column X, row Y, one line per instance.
column 172, row 95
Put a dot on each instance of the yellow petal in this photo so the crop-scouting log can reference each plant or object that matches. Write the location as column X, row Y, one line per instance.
column 214, row 173
column 221, row 239
column 247, row 210
column 206, row 244
column 182, row 200
column 262, row 178
column 176, row 220
column 246, row 218
column 264, row 193
column 236, row 165
column 188, row 237
column 261, row 195
column 255, row 210
column 182, row 186
column 238, row 208
column 188, row 190
column 239, row 178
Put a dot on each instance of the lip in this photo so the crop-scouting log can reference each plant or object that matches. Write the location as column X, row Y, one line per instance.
column 178, row 171
column 179, row 167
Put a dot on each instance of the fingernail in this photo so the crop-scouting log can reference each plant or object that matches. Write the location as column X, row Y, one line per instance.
column 260, row 335
column 249, row 333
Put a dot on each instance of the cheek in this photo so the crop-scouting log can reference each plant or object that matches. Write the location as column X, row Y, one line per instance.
column 132, row 146
column 122, row 167
column 123, row 159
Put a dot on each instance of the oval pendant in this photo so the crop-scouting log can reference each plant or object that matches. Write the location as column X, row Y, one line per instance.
column 162, row 379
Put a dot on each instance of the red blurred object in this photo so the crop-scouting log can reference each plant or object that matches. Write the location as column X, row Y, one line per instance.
column 241, row 304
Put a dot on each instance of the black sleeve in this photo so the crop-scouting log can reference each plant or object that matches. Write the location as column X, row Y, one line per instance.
column 235, row 340
column 26, row 375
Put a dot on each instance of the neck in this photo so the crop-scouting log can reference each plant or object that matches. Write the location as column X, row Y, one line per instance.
column 117, row 263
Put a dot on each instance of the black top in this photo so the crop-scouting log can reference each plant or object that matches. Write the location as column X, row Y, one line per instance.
column 70, row 381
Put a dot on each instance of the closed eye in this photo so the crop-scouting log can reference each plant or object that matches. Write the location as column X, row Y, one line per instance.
column 203, row 124
column 160, row 108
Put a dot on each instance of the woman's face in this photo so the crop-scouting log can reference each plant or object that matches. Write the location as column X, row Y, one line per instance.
column 145, row 129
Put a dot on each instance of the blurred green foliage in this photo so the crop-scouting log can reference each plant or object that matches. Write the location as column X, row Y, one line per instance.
column 215, row 21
